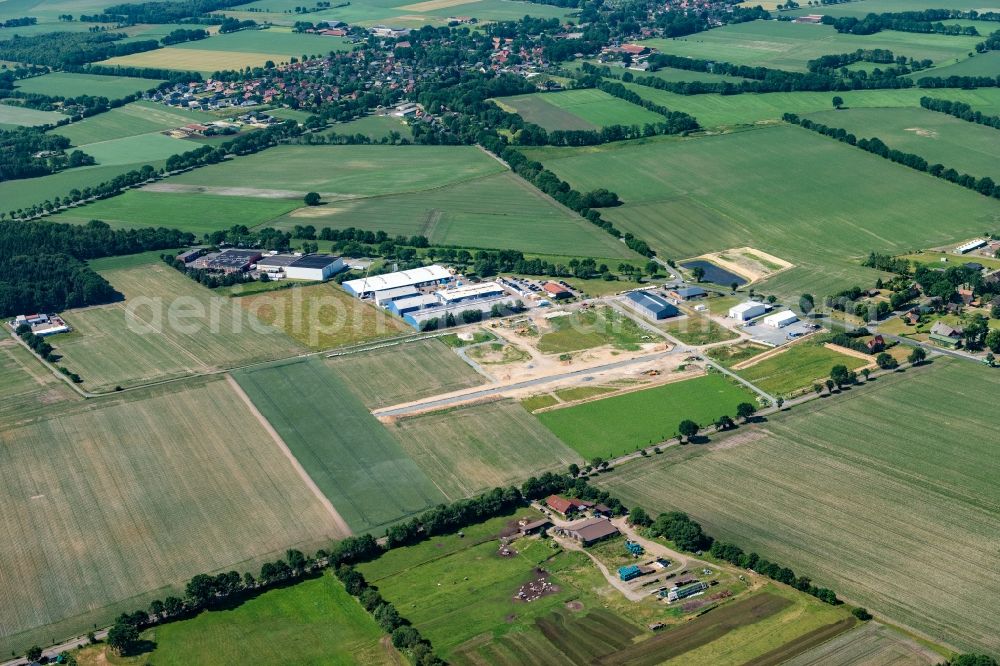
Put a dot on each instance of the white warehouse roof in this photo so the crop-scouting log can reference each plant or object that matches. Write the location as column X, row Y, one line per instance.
column 469, row 291
column 398, row 279
column 746, row 306
column 780, row 319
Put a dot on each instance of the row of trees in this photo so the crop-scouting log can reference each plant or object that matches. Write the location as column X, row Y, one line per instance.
column 985, row 186
column 182, row 35
column 927, row 21
column 963, row 82
column 960, row 110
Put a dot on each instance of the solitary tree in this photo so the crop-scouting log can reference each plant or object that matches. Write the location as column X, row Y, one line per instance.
column 817, row 389
column 840, row 375
column 829, row 386
column 838, row 101
column 638, row 516
column 724, row 422
column 122, row 637
column 734, row 285
column 574, row 469
column 780, row 402
column 886, row 361
column 866, row 372
column 687, row 429
column 745, row 410
column 917, row 356
column 699, row 273
column 312, row 199
column 862, row 614
column 807, row 303
column 34, row 653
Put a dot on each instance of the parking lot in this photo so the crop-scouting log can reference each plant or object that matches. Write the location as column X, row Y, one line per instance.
column 778, row 336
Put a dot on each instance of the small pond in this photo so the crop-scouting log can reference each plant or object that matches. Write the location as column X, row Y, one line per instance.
column 715, row 274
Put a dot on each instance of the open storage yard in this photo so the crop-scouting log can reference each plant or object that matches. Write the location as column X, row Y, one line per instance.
column 710, row 199
column 621, row 424
column 108, row 503
column 471, row 449
column 879, row 477
column 168, row 326
column 349, row 455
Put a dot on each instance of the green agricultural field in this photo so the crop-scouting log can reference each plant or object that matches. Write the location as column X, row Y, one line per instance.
column 716, row 110
column 468, row 450
column 11, row 116
column 322, row 316
column 375, row 127
column 861, row 9
column 27, row 388
column 316, row 620
column 786, row 45
column 458, row 196
column 197, row 213
column 709, row 199
column 65, row 84
column 624, row 423
column 594, row 327
column 168, row 326
column 153, row 146
column 578, row 109
column 350, row 456
column 404, row 372
column 115, row 501
column 871, row 643
column 937, row 137
column 130, row 120
column 883, row 494
column 982, row 64
column 796, row 370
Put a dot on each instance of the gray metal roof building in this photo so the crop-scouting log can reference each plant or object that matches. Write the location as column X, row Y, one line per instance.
column 650, row 305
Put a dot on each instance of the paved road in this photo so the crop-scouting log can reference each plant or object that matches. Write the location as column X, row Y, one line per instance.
column 55, row 650
column 440, row 403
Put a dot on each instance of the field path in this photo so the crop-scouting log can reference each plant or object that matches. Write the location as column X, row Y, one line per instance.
column 324, row 500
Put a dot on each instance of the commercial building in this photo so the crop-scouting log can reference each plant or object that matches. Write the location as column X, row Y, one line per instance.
column 228, row 261
column 404, row 306
column 314, row 267
column 424, row 276
column 469, row 292
column 437, row 310
column 190, row 255
column 556, row 290
column 650, row 305
column 275, row 263
column 974, row 244
column 747, row 310
column 688, row 293
column 386, row 296
column 780, row 319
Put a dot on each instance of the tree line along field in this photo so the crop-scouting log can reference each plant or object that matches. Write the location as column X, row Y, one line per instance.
column 315, row 619
column 621, row 424
column 898, row 480
column 825, row 206
column 66, row 84
column 111, row 502
column 404, row 372
column 937, row 137
column 136, row 341
column 585, row 109
column 789, row 46
column 350, row 456
column 723, row 110
column 471, row 449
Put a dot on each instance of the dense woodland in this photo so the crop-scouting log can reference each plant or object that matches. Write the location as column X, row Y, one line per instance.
column 58, row 49
column 160, row 12
column 27, row 152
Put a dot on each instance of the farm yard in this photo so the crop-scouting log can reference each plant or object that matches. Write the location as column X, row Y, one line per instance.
column 621, row 424
column 937, row 137
column 585, row 109
column 471, row 449
column 349, row 455
column 404, row 372
column 789, row 46
column 316, row 619
column 108, row 504
column 915, row 467
column 136, row 341
column 321, row 316
column 709, row 199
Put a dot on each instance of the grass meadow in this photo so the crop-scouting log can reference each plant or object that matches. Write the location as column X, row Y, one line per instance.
column 786, row 45
column 797, row 369
column 350, row 456
column 322, row 316
column 130, row 120
column 937, row 137
column 316, row 620
column 376, row 127
column 11, row 116
column 168, row 326
column 982, row 64
column 578, row 109
column 886, row 494
column 823, row 211
column 621, row 424
column 111, row 502
column 65, row 84
column 404, row 372
column 595, row 327
column 197, row 213
column 724, row 110
column 471, row 449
